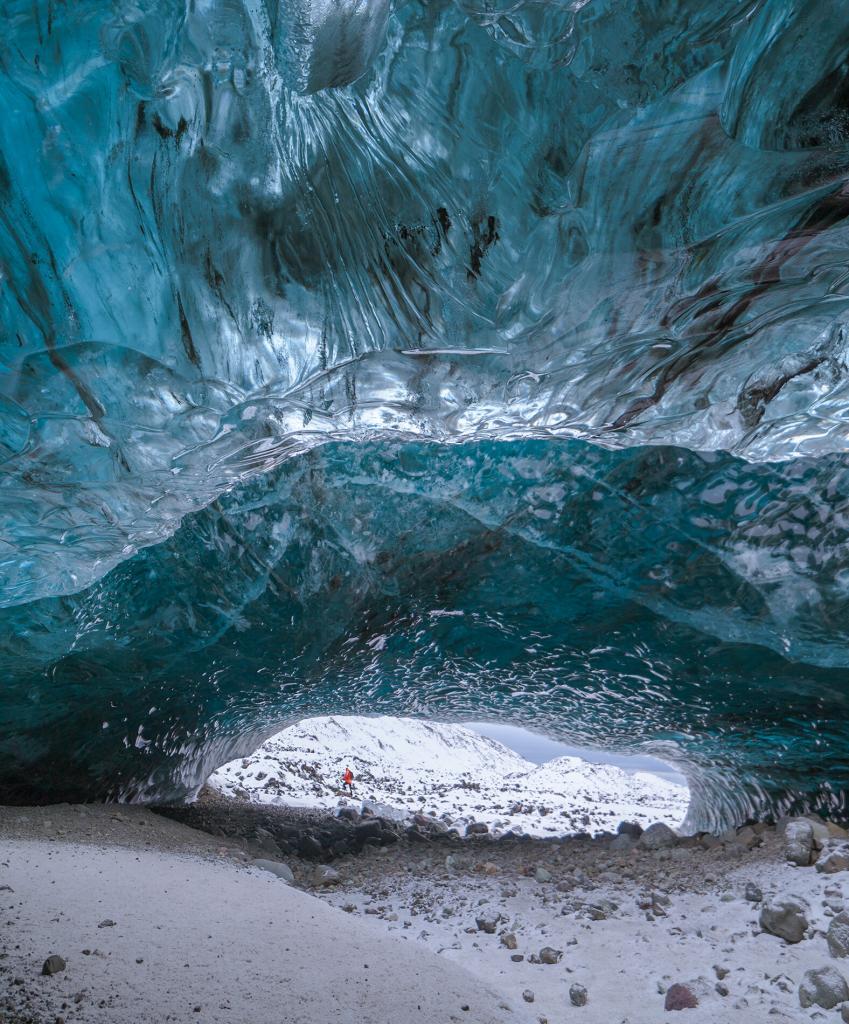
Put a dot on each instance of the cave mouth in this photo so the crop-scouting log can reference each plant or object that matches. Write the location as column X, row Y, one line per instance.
column 460, row 775
column 608, row 599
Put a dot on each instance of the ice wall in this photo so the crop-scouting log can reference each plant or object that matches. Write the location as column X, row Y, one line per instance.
column 232, row 231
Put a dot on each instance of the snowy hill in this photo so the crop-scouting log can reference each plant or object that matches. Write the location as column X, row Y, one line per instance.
column 447, row 771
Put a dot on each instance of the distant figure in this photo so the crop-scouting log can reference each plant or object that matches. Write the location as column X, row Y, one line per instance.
column 348, row 781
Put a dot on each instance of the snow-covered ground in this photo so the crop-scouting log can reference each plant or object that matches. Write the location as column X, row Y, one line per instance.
column 447, row 771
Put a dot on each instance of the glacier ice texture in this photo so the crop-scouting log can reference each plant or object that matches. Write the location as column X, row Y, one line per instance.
column 453, row 358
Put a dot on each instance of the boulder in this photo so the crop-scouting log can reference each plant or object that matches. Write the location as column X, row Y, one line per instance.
column 578, row 995
column 658, row 837
column 629, row 828
column 477, row 828
column 309, row 847
column 753, row 893
column 834, row 857
column 53, row 964
column 372, row 808
column 799, row 842
column 549, row 955
column 837, row 935
column 680, row 997
column 487, row 923
column 825, row 987
column 784, row 918
column 348, row 813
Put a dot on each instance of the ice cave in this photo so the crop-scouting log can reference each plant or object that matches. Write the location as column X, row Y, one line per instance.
column 458, row 359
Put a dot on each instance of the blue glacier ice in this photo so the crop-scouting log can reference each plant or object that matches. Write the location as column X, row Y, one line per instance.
column 459, row 358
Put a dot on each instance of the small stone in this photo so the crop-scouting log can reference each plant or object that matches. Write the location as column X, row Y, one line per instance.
column 487, row 923
column 108, row 923
column 528, row 995
column 517, row 958
column 508, row 939
column 720, row 972
column 721, row 989
column 53, row 964
column 825, row 987
column 549, row 955
column 753, row 893
column 477, row 828
column 578, row 995
column 323, row 876
column 542, row 875
column 785, row 919
column 680, row 997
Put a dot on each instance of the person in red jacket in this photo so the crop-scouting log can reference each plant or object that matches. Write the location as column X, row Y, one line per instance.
column 348, row 780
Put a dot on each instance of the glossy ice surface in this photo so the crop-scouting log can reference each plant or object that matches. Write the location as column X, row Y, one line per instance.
column 460, row 358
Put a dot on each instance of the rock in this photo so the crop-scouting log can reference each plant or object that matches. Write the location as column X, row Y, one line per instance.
column 53, row 964
column 108, row 923
column 415, row 835
column 323, row 876
column 747, row 838
column 622, row 843
column 837, row 935
column 629, row 828
column 784, row 918
column 834, row 857
column 517, row 958
column 799, row 842
column 528, row 995
column 549, row 955
column 310, row 847
column 542, row 875
column 658, row 837
column 753, row 893
column 825, row 987
column 844, row 1013
column 275, row 867
column 680, row 997
column 348, row 814
column 266, row 842
column 430, row 823
column 508, row 939
column 578, row 995
column 379, row 810
column 477, row 828
column 488, row 923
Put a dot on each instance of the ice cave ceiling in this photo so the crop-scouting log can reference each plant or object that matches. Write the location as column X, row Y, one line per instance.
column 459, row 358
